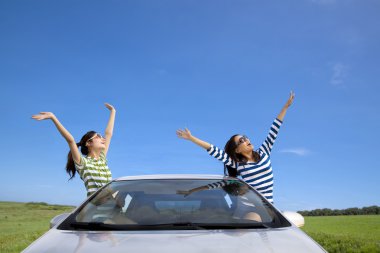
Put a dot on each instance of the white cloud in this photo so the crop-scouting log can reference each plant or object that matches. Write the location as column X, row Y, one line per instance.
column 297, row 151
column 339, row 74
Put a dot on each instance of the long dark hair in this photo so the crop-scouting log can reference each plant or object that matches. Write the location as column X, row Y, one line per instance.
column 230, row 149
column 70, row 166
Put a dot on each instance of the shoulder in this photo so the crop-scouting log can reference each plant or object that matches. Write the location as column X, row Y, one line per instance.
column 83, row 162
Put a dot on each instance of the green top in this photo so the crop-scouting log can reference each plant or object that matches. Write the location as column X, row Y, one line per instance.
column 94, row 172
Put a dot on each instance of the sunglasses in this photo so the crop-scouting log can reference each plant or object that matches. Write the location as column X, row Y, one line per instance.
column 241, row 140
column 97, row 135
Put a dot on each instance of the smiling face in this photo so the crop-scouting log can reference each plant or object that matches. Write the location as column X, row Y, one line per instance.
column 96, row 142
column 243, row 144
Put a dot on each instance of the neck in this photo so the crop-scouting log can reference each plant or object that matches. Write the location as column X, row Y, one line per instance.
column 249, row 156
column 94, row 153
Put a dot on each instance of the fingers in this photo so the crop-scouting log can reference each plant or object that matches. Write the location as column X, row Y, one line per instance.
column 43, row 115
column 180, row 133
column 185, row 134
column 36, row 117
column 109, row 106
column 292, row 94
column 291, row 98
column 47, row 114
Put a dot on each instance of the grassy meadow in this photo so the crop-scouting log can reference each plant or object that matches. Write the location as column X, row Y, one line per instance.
column 341, row 234
column 22, row 223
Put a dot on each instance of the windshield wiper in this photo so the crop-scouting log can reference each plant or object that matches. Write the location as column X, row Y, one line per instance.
column 197, row 226
column 176, row 225
column 166, row 226
column 104, row 226
column 92, row 225
column 232, row 225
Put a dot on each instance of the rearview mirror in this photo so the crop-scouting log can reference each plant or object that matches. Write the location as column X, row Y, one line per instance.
column 57, row 219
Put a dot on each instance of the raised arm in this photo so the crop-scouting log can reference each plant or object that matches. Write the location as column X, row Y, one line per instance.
column 109, row 129
column 62, row 130
column 275, row 127
column 211, row 149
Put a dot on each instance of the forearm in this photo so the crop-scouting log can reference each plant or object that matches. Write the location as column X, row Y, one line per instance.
column 200, row 142
column 201, row 188
column 282, row 114
column 111, row 121
column 62, row 130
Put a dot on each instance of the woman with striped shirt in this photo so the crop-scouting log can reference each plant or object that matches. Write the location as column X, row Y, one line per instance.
column 91, row 165
column 240, row 158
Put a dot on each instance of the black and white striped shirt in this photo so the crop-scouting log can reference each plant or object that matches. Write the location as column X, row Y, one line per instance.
column 259, row 175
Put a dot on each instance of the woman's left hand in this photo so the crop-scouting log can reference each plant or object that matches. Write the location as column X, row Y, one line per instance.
column 290, row 100
column 184, row 193
column 286, row 106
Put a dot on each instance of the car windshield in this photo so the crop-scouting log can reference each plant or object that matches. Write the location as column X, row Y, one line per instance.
column 175, row 203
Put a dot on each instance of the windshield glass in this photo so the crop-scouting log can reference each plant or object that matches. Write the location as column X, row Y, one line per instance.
column 136, row 203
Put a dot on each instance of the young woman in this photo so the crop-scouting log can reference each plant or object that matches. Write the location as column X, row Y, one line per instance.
column 240, row 158
column 92, row 165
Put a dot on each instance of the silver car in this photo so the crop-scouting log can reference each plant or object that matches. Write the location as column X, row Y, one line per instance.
column 175, row 213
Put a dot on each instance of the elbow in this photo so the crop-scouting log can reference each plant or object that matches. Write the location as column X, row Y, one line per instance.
column 71, row 141
column 108, row 135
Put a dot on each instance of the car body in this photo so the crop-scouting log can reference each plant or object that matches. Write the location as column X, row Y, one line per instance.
column 175, row 213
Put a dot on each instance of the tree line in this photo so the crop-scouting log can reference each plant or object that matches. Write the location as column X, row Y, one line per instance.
column 348, row 211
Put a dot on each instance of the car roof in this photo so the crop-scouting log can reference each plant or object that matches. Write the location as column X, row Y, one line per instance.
column 171, row 176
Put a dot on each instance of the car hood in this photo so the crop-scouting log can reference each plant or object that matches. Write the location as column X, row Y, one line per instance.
column 287, row 240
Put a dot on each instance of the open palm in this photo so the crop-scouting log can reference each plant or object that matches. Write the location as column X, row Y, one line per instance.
column 109, row 106
column 184, row 134
column 43, row 115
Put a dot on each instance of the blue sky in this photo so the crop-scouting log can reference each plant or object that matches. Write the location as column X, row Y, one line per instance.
column 216, row 67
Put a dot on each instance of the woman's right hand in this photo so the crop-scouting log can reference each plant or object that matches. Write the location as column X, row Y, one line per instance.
column 184, row 134
column 43, row 116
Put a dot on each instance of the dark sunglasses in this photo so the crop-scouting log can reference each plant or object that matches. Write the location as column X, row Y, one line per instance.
column 241, row 140
column 96, row 135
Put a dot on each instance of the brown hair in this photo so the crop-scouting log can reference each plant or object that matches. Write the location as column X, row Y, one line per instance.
column 230, row 149
column 70, row 166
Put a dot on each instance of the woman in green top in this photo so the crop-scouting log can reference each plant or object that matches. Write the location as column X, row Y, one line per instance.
column 92, row 166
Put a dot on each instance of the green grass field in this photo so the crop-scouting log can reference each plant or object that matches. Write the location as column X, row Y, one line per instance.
column 22, row 223
column 338, row 234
